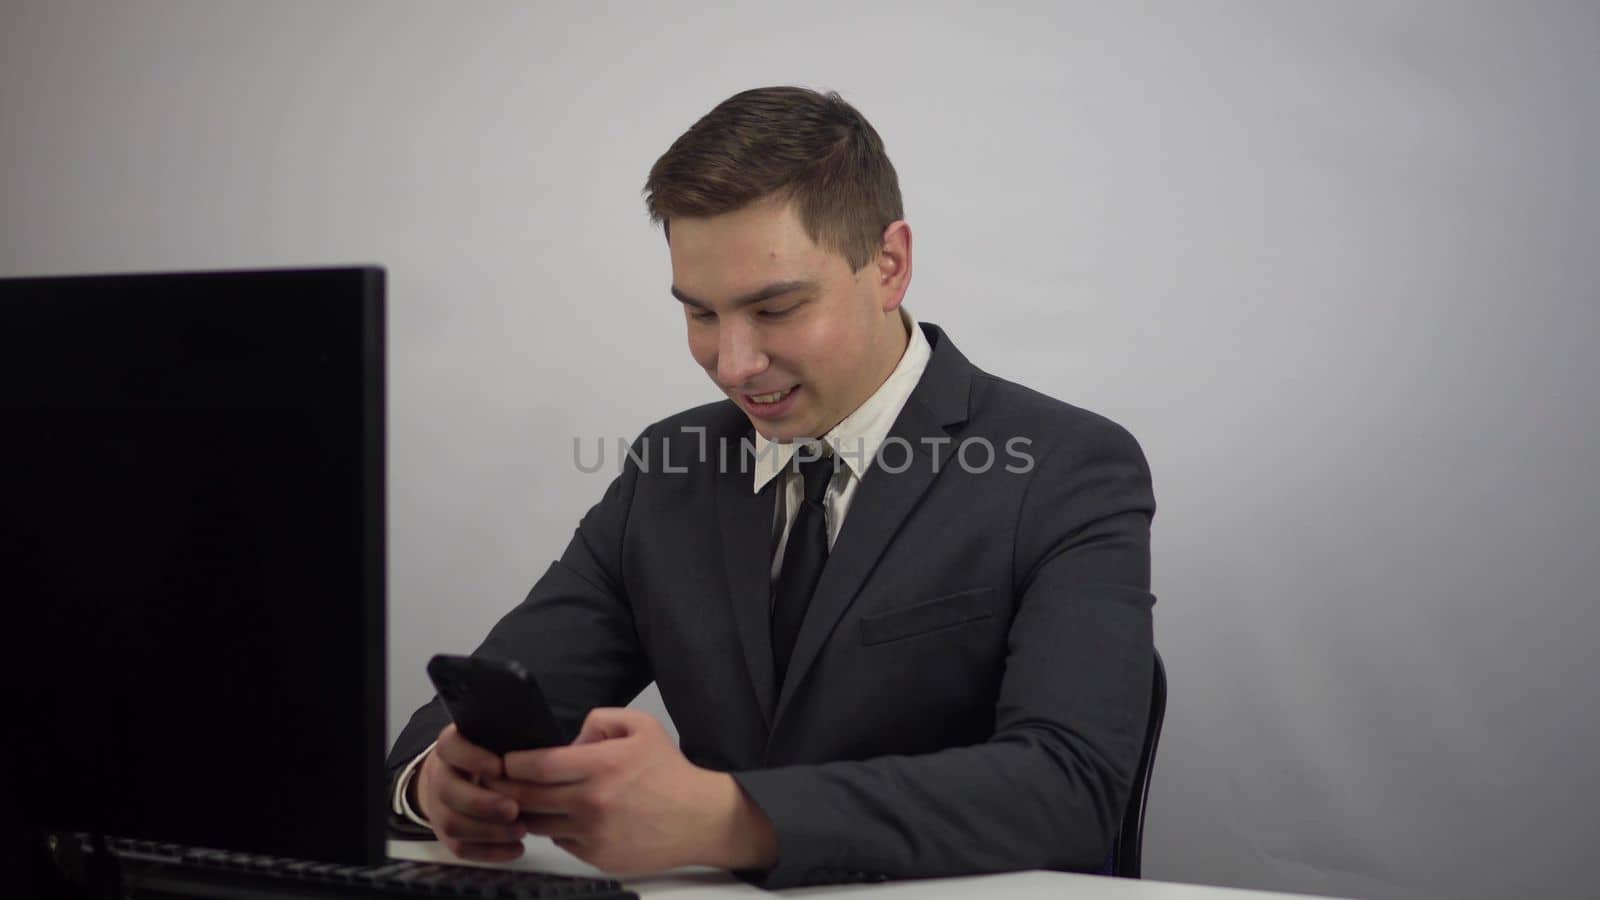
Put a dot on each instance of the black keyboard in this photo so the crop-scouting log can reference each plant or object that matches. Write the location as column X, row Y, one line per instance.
column 175, row 869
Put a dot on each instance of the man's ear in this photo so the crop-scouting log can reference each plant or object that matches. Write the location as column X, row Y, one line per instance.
column 892, row 266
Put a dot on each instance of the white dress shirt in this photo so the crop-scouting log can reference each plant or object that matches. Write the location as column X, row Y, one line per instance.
column 855, row 441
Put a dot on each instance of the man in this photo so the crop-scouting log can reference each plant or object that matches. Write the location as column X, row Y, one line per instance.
column 927, row 652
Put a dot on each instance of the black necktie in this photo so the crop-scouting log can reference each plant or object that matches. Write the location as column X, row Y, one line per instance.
column 803, row 558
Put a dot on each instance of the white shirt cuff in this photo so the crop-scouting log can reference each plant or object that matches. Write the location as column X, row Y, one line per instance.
column 402, row 806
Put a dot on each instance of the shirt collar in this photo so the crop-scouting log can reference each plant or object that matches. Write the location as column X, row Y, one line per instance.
column 856, row 439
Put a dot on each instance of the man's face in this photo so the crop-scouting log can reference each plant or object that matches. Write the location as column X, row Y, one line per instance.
column 782, row 326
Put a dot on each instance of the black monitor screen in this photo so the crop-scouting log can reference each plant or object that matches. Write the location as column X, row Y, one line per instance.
column 191, row 476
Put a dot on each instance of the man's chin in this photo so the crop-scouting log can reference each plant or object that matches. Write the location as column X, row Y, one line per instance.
column 779, row 432
column 776, row 434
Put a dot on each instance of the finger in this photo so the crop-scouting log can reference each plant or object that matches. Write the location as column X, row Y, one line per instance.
column 454, row 826
column 609, row 723
column 575, row 762
column 558, row 827
column 558, row 799
column 455, row 749
column 558, row 765
column 468, row 799
column 481, row 852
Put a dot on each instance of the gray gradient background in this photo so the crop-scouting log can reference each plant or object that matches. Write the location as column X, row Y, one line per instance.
column 1334, row 264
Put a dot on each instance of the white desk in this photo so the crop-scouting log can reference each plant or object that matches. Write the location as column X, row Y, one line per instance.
column 707, row 884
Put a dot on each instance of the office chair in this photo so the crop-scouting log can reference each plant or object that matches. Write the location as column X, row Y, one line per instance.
column 1126, row 850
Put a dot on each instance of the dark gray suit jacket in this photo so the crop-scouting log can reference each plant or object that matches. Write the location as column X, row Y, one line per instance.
column 969, row 687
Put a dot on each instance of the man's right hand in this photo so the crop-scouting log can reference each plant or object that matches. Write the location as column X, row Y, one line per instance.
column 472, row 821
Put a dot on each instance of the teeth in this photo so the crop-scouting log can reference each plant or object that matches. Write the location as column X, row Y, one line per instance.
column 769, row 398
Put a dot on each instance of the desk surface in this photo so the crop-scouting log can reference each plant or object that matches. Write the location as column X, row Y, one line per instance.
column 694, row 884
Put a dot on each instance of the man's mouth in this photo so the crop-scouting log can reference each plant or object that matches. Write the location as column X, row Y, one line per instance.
column 770, row 405
column 774, row 397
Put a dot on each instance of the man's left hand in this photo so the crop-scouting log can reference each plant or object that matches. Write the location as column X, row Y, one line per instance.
column 623, row 798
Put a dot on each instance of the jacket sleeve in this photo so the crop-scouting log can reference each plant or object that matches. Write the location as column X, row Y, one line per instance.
column 1049, row 787
column 574, row 632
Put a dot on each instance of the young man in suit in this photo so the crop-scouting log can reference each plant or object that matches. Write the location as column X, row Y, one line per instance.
column 897, row 607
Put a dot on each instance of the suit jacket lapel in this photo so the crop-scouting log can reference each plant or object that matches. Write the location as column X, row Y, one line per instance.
column 746, row 521
column 884, row 500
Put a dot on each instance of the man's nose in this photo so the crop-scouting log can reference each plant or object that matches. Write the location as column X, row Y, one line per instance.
column 739, row 355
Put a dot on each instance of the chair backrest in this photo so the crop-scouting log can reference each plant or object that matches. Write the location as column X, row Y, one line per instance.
column 1126, row 852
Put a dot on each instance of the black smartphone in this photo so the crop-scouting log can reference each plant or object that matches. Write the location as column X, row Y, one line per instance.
column 495, row 703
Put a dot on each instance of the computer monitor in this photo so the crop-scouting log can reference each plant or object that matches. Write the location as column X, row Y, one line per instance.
column 192, row 511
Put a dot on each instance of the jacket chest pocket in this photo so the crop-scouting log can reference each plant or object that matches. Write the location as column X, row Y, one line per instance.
column 949, row 611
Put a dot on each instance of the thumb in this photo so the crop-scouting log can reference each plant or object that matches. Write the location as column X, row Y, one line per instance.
column 606, row 724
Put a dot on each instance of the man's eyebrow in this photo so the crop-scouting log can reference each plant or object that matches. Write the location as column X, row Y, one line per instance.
column 765, row 293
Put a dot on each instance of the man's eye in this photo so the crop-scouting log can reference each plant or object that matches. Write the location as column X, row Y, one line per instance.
column 777, row 313
column 702, row 316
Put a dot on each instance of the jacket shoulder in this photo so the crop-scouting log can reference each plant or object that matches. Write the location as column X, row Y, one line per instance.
column 1001, row 405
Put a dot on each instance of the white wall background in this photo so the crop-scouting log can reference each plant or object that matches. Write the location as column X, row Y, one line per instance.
column 1334, row 264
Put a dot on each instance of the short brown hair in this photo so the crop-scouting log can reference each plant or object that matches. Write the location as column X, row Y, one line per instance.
column 812, row 149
